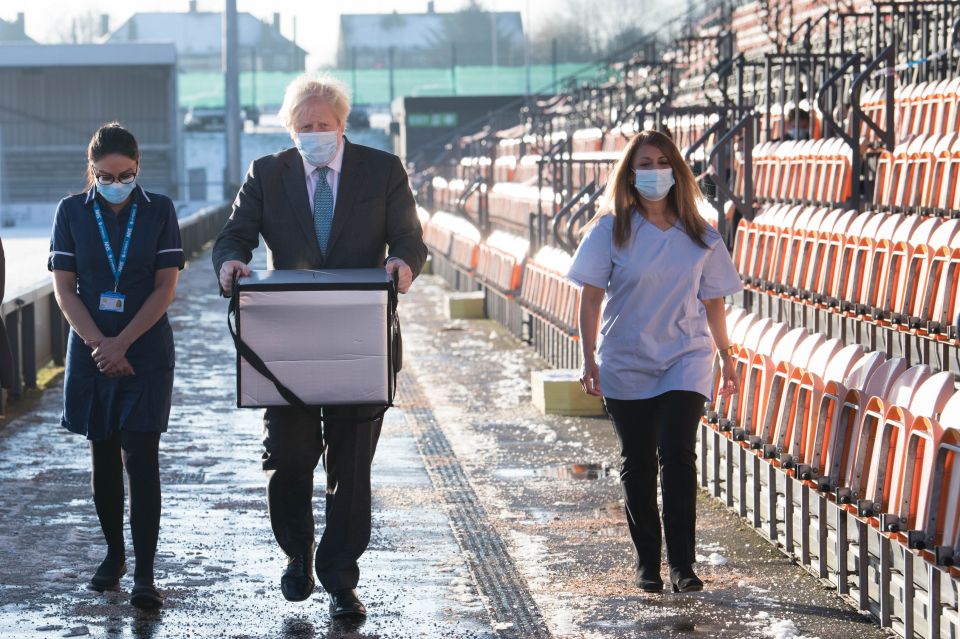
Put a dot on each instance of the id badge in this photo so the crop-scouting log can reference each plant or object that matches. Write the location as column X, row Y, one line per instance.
column 112, row 302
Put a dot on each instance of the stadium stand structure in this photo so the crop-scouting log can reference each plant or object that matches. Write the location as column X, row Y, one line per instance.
column 843, row 447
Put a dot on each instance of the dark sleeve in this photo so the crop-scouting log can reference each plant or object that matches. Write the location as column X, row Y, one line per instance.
column 169, row 248
column 241, row 234
column 62, row 248
column 404, row 234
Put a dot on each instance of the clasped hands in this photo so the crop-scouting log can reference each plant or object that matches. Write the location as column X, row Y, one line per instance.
column 110, row 354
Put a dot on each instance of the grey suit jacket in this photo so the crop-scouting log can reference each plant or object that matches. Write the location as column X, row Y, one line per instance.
column 374, row 210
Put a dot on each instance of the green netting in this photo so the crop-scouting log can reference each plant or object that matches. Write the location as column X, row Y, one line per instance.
column 372, row 86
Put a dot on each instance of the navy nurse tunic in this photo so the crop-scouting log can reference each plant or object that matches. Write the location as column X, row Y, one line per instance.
column 96, row 405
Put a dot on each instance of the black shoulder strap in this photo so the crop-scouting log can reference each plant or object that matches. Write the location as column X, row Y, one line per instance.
column 292, row 398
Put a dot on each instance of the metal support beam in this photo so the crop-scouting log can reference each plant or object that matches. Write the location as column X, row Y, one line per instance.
column 232, row 121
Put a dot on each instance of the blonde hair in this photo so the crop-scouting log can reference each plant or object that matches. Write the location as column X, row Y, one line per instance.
column 621, row 197
column 307, row 86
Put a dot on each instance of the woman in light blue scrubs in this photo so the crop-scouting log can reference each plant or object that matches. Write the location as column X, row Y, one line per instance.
column 660, row 274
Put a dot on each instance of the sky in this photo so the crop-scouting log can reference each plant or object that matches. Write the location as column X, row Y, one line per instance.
column 317, row 21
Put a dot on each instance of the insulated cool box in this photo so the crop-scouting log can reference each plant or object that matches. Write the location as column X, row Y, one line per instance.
column 332, row 337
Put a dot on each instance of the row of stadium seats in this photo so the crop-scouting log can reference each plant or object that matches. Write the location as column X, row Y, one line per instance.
column 446, row 193
column 511, row 204
column 920, row 173
column 502, row 262
column 807, row 170
column 883, row 438
column 895, row 270
column 925, row 108
column 453, row 237
column 546, row 291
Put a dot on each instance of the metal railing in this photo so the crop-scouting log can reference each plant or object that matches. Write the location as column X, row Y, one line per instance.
column 37, row 330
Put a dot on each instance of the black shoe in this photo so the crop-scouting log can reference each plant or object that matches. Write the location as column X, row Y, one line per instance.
column 649, row 580
column 108, row 574
column 297, row 583
column 145, row 597
column 344, row 604
column 684, row 579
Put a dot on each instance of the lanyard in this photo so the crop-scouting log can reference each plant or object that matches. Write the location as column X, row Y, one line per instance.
column 115, row 267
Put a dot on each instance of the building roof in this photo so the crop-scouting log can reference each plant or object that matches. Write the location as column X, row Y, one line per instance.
column 422, row 30
column 196, row 32
column 13, row 32
column 86, row 55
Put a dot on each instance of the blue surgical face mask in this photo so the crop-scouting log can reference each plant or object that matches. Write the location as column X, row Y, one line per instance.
column 653, row 184
column 116, row 193
column 317, row 148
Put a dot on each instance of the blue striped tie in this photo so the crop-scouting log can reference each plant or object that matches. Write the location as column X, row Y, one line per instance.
column 323, row 209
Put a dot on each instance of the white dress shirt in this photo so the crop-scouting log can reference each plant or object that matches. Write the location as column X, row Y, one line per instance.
column 333, row 176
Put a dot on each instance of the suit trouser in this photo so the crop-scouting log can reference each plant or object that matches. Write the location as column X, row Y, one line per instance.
column 659, row 432
column 294, row 447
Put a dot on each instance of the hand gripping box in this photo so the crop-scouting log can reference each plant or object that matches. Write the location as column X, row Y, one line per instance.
column 329, row 337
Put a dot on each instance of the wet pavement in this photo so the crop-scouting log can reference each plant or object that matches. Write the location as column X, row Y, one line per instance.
column 490, row 520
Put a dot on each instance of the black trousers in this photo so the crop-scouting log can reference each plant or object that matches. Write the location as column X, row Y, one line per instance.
column 293, row 449
column 659, row 433
column 139, row 454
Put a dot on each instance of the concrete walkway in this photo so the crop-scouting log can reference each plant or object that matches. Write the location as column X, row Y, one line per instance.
column 483, row 526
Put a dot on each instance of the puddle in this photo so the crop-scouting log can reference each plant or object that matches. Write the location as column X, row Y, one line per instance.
column 578, row 471
column 587, row 471
column 612, row 510
column 616, row 532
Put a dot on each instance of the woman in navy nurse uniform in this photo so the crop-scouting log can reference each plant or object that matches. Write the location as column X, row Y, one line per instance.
column 116, row 256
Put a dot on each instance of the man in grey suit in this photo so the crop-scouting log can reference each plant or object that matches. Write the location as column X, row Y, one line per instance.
column 330, row 204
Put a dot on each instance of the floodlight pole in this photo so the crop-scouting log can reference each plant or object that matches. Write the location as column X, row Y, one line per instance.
column 232, row 122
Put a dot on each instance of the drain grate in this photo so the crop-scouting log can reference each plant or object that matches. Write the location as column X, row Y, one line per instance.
column 182, row 477
column 510, row 604
column 63, row 476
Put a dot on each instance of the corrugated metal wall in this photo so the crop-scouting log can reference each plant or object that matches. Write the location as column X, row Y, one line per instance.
column 48, row 114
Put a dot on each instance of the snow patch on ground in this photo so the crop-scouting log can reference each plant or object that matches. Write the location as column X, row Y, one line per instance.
column 773, row 628
column 530, row 554
column 713, row 559
column 715, row 556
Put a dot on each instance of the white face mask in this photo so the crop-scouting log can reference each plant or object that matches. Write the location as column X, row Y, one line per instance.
column 653, row 184
column 317, row 148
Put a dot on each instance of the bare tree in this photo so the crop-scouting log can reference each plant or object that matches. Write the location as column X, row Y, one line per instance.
column 77, row 28
column 588, row 29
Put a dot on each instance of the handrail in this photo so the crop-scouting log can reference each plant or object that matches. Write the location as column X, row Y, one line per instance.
column 821, row 100
column 744, row 207
column 555, row 225
column 546, row 157
column 702, row 140
column 888, row 136
column 462, row 200
column 721, row 70
column 571, row 241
